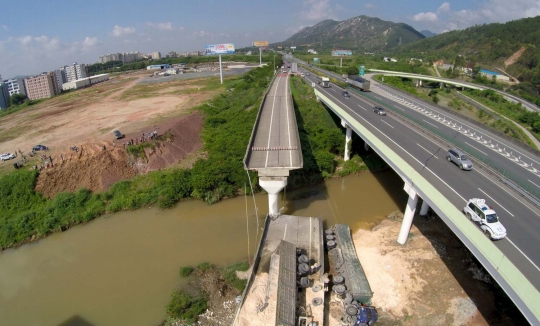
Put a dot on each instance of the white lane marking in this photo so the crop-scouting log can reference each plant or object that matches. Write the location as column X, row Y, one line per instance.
column 387, row 124
column 285, row 232
column 530, row 261
column 362, row 107
column 496, row 202
column 397, row 107
column 271, row 118
column 431, row 124
column 476, row 148
column 391, row 140
column 533, row 183
column 427, row 151
column 288, row 122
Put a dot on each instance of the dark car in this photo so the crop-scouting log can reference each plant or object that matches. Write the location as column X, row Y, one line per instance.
column 379, row 110
column 40, row 148
column 346, row 94
column 118, row 134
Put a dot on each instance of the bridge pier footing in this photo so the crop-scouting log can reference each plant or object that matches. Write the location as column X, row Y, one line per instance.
column 348, row 137
column 424, row 209
column 273, row 185
column 409, row 214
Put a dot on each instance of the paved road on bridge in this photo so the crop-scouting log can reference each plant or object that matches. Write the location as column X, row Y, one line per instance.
column 521, row 220
column 275, row 139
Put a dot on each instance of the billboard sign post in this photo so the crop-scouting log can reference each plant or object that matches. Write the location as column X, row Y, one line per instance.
column 219, row 49
column 261, row 45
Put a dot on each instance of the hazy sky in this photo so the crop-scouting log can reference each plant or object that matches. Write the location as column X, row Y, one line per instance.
column 42, row 35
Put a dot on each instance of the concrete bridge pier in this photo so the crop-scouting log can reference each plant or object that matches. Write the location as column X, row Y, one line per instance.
column 273, row 185
column 348, row 137
column 409, row 214
column 441, row 85
column 424, row 209
column 366, row 146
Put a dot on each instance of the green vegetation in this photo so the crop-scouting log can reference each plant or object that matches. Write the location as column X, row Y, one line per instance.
column 229, row 275
column 24, row 213
column 186, row 271
column 14, row 108
column 191, row 301
column 138, row 150
column 186, row 307
column 488, row 46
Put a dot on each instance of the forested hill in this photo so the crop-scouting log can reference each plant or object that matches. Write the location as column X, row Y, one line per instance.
column 358, row 33
column 513, row 47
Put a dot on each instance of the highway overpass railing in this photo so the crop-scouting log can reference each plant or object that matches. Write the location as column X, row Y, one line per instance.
column 514, row 180
column 516, row 285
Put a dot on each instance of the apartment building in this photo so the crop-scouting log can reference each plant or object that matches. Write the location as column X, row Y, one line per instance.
column 42, row 86
column 156, row 55
column 15, row 86
column 75, row 71
column 124, row 57
column 60, row 77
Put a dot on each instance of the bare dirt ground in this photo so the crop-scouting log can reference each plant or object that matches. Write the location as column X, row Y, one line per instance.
column 86, row 118
column 432, row 280
column 514, row 57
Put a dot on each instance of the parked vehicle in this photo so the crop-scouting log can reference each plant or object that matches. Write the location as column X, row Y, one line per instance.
column 367, row 316
column 40, row 148
column 459, row 158
column 118, row 134
column 485, row 217
column 346, row 94
column 6, row 156
column 379, row 110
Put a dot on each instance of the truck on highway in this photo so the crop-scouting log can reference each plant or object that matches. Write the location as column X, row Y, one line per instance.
column 324, row 81
column 359, row 83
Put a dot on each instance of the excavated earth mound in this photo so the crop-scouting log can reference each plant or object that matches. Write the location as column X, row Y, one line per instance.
column 97, row 166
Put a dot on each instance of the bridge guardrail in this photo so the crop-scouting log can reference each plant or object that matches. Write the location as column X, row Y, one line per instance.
column 257, row 119
column 524, row 190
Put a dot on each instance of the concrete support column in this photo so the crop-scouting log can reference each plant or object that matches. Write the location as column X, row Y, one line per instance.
column 348, row 137
column 409, row 214
column 441, row 84
column 366, row 146
column 420, row 80
column 273, row 185
column 416, row 83
column 424, row 209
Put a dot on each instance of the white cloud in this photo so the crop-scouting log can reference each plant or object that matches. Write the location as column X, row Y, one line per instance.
column 425, row 17
column 119, row 31
column 161, row 26
column 445, row 7
column 488, row 11
column 4, row 27
column 317, row 10
column 90, row 41
column 25, row 39
column 369, row 5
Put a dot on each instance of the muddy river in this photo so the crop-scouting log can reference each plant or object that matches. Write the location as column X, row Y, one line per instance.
column 121, row 269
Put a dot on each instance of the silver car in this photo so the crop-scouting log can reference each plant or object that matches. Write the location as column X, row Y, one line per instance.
column 459, row 158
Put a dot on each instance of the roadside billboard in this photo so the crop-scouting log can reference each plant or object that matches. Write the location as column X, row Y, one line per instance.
column 211, row 49
column 260, row 44
column 293, row 47
column 339, row 53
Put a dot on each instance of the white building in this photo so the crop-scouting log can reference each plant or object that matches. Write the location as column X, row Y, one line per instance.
column 60, row 75
column 84, row 82
column 156, row 55
column 75, row 72
column 15, row 86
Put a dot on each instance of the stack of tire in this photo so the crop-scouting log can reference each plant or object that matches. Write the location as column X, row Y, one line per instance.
column 330, row 239
column 303, row 270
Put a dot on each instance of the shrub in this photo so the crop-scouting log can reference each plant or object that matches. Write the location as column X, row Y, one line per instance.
column 186, row 271
column 186, row 307
column 229, row 275
column 203, row 267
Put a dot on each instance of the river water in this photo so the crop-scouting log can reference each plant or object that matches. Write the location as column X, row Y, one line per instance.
column 121, row 269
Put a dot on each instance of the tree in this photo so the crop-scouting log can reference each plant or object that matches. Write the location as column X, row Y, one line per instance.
column 17, row 99
column 475, row 71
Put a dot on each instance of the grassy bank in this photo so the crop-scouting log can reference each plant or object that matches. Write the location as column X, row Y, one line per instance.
column 501, row 107
column 26, row 215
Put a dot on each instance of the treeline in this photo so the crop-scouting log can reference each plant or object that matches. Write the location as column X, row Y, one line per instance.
column 117, row 66
column 489, row 45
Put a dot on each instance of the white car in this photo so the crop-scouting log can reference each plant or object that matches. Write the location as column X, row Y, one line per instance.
column 485, row 217
column 6, row 156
